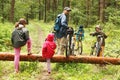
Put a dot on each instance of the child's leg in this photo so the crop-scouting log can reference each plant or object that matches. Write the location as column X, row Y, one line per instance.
column 29, row 44
column 16, row 59
column 101, row 52
column 48, row 65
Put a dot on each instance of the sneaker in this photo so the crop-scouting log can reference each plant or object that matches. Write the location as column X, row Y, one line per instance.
column 16, row 72
column 29, row 53
column 49, row 72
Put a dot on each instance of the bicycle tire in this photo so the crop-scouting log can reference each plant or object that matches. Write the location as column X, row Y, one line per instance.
column 72, row 48
column 66, row 53
column 67, row 46
column 80, row 47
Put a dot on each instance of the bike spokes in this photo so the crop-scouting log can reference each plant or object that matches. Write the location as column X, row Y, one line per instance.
column 80, row 48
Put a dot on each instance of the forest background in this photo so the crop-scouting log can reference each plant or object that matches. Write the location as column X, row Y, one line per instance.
column 40, row 15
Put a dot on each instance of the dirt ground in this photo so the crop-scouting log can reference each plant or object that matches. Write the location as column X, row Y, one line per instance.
column 38, row 41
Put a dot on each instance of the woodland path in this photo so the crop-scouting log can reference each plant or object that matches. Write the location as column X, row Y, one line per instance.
column 38, row 37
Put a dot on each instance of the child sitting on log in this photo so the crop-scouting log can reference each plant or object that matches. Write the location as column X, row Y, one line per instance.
column 48, row 50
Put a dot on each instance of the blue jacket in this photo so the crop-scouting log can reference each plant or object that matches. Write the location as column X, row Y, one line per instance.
column 63, row 28
column 80, row 33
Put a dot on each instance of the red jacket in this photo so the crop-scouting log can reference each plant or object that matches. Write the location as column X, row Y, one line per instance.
column 49, row 47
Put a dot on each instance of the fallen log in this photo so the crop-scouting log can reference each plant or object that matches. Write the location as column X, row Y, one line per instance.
column 5, row 56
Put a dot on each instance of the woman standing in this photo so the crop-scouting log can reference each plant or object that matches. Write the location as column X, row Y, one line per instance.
column 20, row 37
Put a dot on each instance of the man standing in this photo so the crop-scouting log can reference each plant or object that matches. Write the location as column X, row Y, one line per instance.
column 62, row 33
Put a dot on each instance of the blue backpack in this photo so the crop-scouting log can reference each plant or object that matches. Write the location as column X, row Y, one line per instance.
column 57, row 23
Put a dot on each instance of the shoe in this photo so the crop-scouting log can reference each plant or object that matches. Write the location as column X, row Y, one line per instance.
column 29, row 53
column 49, row 72
column 16, row 72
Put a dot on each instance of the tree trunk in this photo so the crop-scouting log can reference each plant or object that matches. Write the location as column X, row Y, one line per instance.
column 64, row 3
column 101, row 10
column 45, row 11
column 88, row 11
column 54, row 8
column 68, row 5
column 5, row 56
column 39, row 14
column 12, row 11
column 69, row 2
column 48, row 5
column 2, row 8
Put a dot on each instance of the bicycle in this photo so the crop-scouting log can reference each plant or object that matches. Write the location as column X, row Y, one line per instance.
column 97, row 46
column 70, row 32
column 77, row 44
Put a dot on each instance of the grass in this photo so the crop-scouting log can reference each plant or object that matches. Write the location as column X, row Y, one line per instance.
column 61, row 71
column 80, row 71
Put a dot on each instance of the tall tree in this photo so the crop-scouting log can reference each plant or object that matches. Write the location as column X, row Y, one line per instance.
column 45, row 10
column 88, row 11
column 39, row 16
column 2, row 9
column 54, row 7
column 48, row 5
column 101, row 10
column 64, row 3
column 69, row 5
column 12, row 10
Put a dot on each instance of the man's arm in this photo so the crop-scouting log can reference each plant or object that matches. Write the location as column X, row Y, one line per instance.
column 64, row 21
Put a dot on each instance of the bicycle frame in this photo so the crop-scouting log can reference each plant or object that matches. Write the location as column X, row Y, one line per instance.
column 80, row 49
column 68, row 45
column 78, row 43
column 97, row 46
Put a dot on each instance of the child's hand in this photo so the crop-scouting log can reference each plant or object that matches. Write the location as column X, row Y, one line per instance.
column 90, row 34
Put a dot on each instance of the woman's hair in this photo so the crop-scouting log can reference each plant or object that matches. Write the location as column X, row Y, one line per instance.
column 16, row 24
column 22, row 21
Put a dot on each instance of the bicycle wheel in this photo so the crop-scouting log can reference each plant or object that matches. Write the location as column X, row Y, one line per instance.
column 80, row 47
column 93, row 49
column 72, row 47
column 67, row 46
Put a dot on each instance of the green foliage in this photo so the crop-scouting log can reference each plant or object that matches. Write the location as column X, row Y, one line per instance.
column 113, row 40
column 29, row 67
column 78, row 71
column 35, row 9
column 61, row 71
column 79, row 17
column 113, row 15
column 5, row 36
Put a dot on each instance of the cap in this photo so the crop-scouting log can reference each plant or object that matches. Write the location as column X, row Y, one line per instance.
column 98, row 26
column 67, row 8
